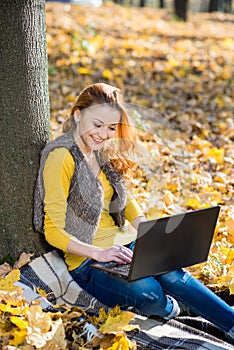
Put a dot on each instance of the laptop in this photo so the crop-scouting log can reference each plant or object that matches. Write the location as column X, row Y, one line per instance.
column 168, row 243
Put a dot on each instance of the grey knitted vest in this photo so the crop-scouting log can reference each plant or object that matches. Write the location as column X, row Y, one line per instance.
column 85, row 200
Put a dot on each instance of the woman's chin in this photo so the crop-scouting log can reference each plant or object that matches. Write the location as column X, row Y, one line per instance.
column 97, row 146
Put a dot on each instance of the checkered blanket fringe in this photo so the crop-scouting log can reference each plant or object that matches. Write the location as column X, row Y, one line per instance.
column 49, row 273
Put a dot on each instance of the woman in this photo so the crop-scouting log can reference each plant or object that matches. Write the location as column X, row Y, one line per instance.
column 81, row 204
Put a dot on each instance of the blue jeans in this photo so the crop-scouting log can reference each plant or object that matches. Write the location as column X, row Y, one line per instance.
column 150, row 295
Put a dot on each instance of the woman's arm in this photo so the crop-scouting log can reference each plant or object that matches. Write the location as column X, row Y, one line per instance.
column 133, row 212
column 58, row 171
column 136, row 222
column 116, row 253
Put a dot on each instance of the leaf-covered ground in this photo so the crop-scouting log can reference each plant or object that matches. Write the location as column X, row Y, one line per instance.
column 25, row 326
column 178, row 79
column 179, row 76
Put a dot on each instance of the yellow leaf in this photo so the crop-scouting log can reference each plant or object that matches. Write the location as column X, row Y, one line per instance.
column 12, row 310
column 229, row 253
column 230, row 225
column 107, row 74
column 117, row 323
column 173, row 185
column 231, row 286
column 43, row 337
column 226, row 73
column 39, row 319
column 7, row 283
column 74, row 59
column 41, row 292
column 216, row 153
column 203, row 144
column 192, row 202
column 19, row 337
column 14, row 298
column 169, row 198
column 120, row 344
column 172, row 63
column 229, row 42
column 210, row 195
column 83, row 70
column 102, row 317
column 57, row 335
column 220, row 177
column 219, row 101
column 19, row 322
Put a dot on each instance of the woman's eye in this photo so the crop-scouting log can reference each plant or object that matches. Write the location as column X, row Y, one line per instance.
column 112, row 128
column 97, row 125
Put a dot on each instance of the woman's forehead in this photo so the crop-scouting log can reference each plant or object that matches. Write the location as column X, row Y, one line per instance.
column 105, row 113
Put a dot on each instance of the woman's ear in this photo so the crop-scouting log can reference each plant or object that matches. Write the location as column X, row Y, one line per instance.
column 77, row 116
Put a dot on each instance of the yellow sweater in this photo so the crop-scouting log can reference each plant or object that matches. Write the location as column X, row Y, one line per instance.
column 57, row 175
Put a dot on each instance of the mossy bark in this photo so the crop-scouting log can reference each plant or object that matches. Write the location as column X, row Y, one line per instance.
column 24, row 120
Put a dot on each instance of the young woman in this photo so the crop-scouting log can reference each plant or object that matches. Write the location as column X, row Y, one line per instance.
column 81, row 204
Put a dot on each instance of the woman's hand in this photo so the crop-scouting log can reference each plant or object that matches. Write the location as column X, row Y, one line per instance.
column 117, row 253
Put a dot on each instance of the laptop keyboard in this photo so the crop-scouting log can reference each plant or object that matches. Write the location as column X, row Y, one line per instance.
column 121, row 268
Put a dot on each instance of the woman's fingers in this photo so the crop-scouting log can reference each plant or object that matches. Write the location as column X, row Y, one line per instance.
column 118, row 253
column 122, row 254
column 125, row 253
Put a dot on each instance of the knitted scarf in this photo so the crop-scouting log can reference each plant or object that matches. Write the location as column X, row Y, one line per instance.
column 85, row 199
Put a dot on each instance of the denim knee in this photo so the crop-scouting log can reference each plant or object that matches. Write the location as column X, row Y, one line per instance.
column 175, row 276
column 174, row 279
column 149, row 298
column 146, row 289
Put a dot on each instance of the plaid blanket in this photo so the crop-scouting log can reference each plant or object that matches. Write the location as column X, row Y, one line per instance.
column 49, row 273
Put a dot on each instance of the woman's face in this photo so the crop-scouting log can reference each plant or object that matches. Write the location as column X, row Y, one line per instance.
column 96, row 125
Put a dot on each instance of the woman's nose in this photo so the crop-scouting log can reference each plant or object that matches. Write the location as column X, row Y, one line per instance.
column 103, row 133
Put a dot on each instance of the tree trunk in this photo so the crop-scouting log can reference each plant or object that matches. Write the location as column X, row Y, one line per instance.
column 220, row 5
column 142, row 3
column 181, row 7
column 213, row 5
column 161, row 4
column 24, row 120
column 228, row 6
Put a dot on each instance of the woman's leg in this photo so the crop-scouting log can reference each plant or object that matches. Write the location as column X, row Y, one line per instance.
column 146, row 294
column 197, row 297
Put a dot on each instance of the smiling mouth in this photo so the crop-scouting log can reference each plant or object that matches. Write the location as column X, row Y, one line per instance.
column 98, row 141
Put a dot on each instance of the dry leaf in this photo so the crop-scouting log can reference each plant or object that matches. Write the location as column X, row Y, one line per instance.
column 23, row 260
column 114, row 324
column 5, row 269
column 7, row 283
column 43, row 332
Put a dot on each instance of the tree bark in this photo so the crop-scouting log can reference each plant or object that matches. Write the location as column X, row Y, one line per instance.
column 228, row 6
column 220, row 5
column 181, row 7
column 161, row 4
column 24, row 120
column 213, row 5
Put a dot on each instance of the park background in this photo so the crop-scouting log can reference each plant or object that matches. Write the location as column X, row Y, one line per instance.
column 179, row 76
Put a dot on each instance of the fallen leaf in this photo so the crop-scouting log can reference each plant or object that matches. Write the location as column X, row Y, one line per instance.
column 23, row 260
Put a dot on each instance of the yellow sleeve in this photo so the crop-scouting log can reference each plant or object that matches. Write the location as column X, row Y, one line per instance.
column 57, row 175
column 132, row 210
